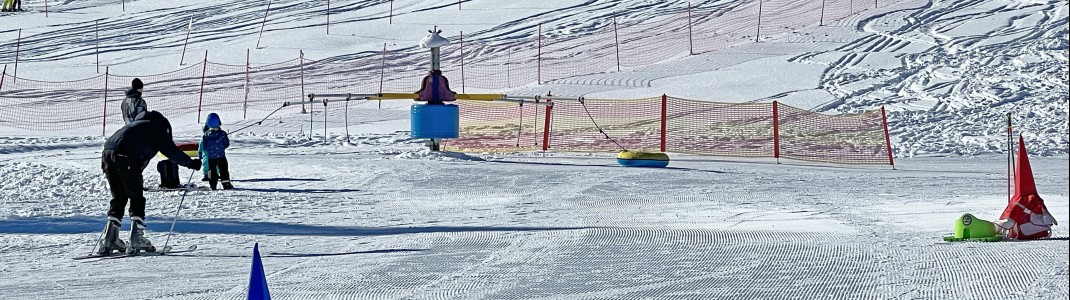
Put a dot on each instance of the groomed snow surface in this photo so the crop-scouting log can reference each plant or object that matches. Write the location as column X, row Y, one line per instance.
column 376, row 216
column 382, row 218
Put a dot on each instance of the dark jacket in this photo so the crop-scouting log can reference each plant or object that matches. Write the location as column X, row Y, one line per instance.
column 435, row 88
column 148, row 134
column 214, row 144
column 133, row 105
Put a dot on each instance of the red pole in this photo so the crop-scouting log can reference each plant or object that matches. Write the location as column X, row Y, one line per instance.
column 616, row 41
column 690, row 39
column 462, row 58
column 204, row 71
column 263, row 24
column 538, row 70
column 188, row 30
column 104, row 124
column 776, row 131
column 391, row 18
column 2, row 75
column 245, row 106
column 382, row 73
column 759, row 21
column 822, row 20
column 664, row 119
column 96, row 38
column 546, row 125
column 18, row 45
column 887, row 137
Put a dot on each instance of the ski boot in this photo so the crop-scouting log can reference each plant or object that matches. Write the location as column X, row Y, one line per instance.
column 227, row 185
column 433, row 145
column 111, row 242
column 138, row 242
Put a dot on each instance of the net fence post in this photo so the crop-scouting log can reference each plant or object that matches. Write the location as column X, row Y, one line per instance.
column 759, row 33
column 204, row 71
column 690, row 38
column 18, row 46
column 664, row 119
column 821, row 21
column 462, row 60
column 245, row 103
column 546, row 125
column 301, row 66
column 104, row 123
column 538, row 59
column 616, row 42
column 776, row 131
column 887, row 137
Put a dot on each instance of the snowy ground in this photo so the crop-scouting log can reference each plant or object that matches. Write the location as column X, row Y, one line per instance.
column 383, row 218
column 376, row 216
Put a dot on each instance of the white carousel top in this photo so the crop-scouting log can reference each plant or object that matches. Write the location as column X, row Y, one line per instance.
column 433, row 40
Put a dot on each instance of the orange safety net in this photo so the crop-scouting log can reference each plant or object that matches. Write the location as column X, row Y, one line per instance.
column 719, row 129
column 630, row 124
column 843, row 139
column 50, row 106
column 684, row 126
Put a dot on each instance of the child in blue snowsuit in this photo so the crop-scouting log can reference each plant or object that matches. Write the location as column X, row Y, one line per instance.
column 212, row 149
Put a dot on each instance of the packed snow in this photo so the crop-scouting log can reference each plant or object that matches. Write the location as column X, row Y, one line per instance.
column 366, row 212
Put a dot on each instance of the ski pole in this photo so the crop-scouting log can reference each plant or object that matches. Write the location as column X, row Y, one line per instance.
column 100, row 239
column 179, row 209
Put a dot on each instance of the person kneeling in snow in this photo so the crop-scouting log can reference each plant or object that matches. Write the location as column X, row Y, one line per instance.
column 126, row 154
column 213, row 149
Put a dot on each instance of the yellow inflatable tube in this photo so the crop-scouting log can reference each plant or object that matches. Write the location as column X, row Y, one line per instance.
column 643, row 159
column 188, row 148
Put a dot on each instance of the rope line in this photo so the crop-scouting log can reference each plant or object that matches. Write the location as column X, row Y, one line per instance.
column 603, row 132
column 261, row 120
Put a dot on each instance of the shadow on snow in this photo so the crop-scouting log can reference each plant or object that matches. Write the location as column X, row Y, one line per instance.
column 85, row 224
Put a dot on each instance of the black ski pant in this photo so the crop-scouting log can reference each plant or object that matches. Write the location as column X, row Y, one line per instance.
column 126, row 184
column 218, row 170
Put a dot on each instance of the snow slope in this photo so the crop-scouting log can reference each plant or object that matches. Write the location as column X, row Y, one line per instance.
column 382, row 218
column 376, row 216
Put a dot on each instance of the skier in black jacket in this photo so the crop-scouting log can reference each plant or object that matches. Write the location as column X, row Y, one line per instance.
column 126, row 154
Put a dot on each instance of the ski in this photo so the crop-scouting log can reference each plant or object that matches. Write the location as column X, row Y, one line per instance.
column 166, row 251
column 181, row 188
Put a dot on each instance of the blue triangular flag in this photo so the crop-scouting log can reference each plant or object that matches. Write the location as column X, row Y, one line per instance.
column 258, row 287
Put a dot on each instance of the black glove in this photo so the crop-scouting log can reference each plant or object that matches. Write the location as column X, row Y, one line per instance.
column 196, row 164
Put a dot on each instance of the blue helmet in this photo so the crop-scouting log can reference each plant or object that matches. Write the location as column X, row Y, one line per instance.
column 213, row 121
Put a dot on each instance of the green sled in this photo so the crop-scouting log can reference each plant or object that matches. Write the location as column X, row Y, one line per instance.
column 970, row 228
